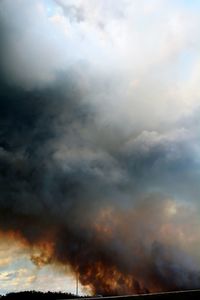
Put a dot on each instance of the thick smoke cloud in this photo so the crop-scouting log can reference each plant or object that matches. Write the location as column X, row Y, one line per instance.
column 97, row 169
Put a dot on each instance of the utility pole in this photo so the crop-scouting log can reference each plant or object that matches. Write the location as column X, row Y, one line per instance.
column 76, row 284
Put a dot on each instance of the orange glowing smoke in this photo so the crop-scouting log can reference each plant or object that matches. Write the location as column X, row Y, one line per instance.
column 118, row 251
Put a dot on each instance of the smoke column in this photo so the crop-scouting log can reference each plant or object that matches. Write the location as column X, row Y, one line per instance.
column 99, row 140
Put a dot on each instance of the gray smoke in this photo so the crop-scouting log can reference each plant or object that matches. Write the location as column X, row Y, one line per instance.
column 108, row 183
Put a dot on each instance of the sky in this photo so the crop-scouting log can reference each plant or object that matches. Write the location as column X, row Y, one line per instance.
column 99, row 145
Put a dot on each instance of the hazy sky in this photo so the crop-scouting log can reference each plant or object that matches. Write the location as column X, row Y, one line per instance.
column 99, row 145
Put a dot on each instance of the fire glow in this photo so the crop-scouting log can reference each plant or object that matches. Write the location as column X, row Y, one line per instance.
column 110, row 256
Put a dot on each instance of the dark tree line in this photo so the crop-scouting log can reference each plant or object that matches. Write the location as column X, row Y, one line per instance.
column 38, row 295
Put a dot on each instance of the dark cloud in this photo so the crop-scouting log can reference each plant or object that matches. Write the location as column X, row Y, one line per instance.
column 114, row 204
column 59, row 186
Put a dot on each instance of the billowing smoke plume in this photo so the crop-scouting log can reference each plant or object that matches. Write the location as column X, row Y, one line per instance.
column 97, row 171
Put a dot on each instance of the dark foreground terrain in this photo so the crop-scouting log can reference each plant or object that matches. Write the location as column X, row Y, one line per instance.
column 37, row 295
column 162, row 296
column 185, row 295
